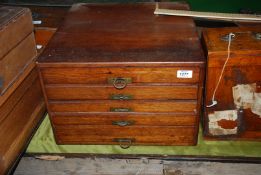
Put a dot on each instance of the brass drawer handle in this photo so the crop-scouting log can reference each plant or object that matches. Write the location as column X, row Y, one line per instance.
column 119, row 82
column 120, row 109
column 124, row 142
column 121, row 97
column 257, row 36
column 123, row 122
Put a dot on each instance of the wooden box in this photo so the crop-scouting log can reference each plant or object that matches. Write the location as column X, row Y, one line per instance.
column 118, row 74
column 21, row 99
column 237, row 114
column 17, row 44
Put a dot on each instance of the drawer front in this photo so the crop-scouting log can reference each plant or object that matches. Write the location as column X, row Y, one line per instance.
column 14, row 63
column 139, row 92
column 124, row 120
column 84, row 75
column 124, row 106
column 84, row 134
column 7, row 103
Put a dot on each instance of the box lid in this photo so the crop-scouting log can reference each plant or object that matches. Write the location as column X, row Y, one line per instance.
column 124, row 34
column 245, row 46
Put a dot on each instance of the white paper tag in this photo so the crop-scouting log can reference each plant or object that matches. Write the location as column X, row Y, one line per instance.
column 38, row 46
column 37, row 22
column 184, row 73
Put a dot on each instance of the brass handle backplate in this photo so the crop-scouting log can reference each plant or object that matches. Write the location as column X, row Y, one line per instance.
column 226, row 37
column 120, row 109
column 119, row 82
column 124, row 142
column 120, row 97
column 123, row 122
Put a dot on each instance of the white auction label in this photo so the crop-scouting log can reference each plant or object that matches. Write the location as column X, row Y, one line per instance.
column 184, row 73
column 37, row 22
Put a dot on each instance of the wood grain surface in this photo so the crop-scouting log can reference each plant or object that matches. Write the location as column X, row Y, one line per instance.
column 74, row 75
column 145, row 119
column 134, row 106
column 18, row 125
column 15, row 26
column 242, row 68
column 144, row 52
column 136, row 35
column 84, row 134
column 13, row 64
column 135, row 92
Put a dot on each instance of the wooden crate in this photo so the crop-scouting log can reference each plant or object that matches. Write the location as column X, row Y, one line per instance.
column 237, row 113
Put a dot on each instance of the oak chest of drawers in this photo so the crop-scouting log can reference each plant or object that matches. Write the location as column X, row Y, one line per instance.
column 118, row 74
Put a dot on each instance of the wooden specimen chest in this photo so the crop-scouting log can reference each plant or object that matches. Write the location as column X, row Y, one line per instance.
column 118, row 74
column 237, row 114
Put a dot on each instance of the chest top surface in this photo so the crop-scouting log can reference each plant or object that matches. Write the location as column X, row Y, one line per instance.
column 245, row 39
column 245, row 48
column 124, row 33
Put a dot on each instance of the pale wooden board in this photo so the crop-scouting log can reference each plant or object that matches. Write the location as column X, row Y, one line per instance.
column 209, row 15
column 83, row 166
column 108, row 166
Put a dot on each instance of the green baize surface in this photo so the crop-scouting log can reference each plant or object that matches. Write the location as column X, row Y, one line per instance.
column 44, row 142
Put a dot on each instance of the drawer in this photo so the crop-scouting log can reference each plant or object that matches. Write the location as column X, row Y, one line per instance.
column 105, row 92
column 145, row 119
column 85, row 75
column 124, row 106
column 8, row 101
column 136, row 135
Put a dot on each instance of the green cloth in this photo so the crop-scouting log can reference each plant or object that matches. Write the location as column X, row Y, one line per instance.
column 43, row 142
column 226, row 6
